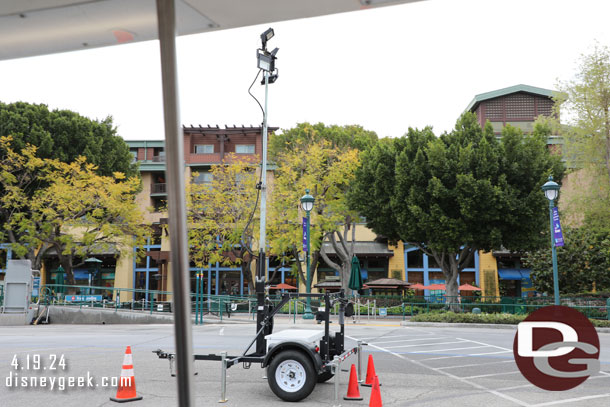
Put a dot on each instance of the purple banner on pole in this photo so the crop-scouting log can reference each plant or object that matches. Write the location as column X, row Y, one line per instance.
column 557, row 234
column 304, row 234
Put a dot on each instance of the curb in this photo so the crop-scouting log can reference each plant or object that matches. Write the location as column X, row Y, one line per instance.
column 467, row 325
column 459, row 325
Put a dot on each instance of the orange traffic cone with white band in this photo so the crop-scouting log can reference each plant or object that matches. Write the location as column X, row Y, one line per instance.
column 375, row 400
column 370, row 373
column 353, row 391
column 127, row 382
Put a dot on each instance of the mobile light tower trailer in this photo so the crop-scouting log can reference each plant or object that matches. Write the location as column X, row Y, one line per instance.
column 295, row 359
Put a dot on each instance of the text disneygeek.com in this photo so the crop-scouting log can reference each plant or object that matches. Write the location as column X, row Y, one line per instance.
column 53, row 363
column 60, row 383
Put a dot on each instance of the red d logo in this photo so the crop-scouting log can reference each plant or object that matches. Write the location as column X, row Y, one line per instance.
column 556, row 348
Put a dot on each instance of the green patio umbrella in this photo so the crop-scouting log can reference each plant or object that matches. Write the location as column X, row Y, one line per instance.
column 355, row 279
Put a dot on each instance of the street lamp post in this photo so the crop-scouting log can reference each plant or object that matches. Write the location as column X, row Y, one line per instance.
column 307, row 202
column 551, row 191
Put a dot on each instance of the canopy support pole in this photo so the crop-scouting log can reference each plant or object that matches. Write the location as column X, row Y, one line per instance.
column 166, row 18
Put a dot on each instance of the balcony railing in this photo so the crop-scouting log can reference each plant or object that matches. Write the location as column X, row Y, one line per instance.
column 158, row 159
column 158, row 188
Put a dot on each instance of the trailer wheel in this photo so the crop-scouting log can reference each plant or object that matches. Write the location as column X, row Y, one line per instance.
column 291, row 375
column 325, row 376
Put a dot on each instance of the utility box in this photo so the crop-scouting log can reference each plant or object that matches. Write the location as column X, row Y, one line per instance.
column 18, row 283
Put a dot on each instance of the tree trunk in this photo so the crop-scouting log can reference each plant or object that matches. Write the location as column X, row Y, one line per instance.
column 295, row 254
column 246, row 268
column 451, row 284
column 451, row 264
column 66, row 262
column 344, row 251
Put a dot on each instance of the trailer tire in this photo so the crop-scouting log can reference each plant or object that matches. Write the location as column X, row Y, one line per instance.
column 325, row 376
column 291, row 375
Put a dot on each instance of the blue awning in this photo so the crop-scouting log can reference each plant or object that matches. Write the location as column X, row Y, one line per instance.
column 80, row 274
column 514, row 274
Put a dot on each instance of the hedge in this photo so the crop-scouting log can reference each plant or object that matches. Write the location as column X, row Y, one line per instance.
column 484, row 318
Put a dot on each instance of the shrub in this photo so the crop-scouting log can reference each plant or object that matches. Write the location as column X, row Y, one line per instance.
column 485, row 318
column 469, row 318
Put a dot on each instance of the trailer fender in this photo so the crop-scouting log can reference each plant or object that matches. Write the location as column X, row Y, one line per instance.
column 307, row 348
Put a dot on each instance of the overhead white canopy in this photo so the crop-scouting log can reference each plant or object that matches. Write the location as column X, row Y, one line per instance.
column 37, row 27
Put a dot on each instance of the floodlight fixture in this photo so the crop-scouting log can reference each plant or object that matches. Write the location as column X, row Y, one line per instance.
column 266, row 36
column 266, row 61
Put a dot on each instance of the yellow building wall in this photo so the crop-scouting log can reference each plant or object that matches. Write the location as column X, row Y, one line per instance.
column 165, row 246
column 123, row 274
column 488, row 275
column 396, row 263
column 145, row 202
column 364, row 234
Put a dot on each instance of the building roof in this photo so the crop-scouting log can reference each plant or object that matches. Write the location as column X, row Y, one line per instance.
column 507, row 91
column 226, row 130
column 145, row 143
column 387, row 283
column 364, row 249
column 328, row 284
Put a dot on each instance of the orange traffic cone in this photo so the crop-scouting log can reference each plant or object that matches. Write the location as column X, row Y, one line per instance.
column 370, row 373
column 353, row 391
column 375, row 400
column 127, row 382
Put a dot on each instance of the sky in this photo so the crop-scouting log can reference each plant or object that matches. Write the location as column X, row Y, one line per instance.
column 386, row 69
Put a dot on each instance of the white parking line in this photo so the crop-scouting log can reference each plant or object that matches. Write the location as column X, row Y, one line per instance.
column 564, row 401
column 393, row 336
column 475, row 364
column 523, row 386
column 486, row 344
column 465, row 356
column 423, row 344
column 473, row 384
column 491, row 374
column 430, row 352
column 409, row 340
column 604, row 375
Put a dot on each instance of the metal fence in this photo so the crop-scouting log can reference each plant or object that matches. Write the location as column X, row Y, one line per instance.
column 225, row 306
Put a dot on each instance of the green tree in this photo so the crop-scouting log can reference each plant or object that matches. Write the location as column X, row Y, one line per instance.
column 66, row 135
column 327, row 170
column 74, row 210
column 351, row 136
column 222, row 217
column 459, row 193
column 583, row 263
column 585, row 103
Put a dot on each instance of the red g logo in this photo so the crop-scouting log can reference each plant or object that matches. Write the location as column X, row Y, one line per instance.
column 556, row 348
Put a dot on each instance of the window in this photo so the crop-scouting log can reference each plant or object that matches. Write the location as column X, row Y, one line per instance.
column 244, row 148
column 415, row 259
column 204, row 148
column 134, row 153
column 158, row 155
column 203, row 178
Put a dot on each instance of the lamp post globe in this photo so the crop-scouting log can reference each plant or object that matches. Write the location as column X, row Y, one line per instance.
column 307, row 202
column 551, row 191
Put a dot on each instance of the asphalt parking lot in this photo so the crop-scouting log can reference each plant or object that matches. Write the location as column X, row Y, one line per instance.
column 417, row 366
